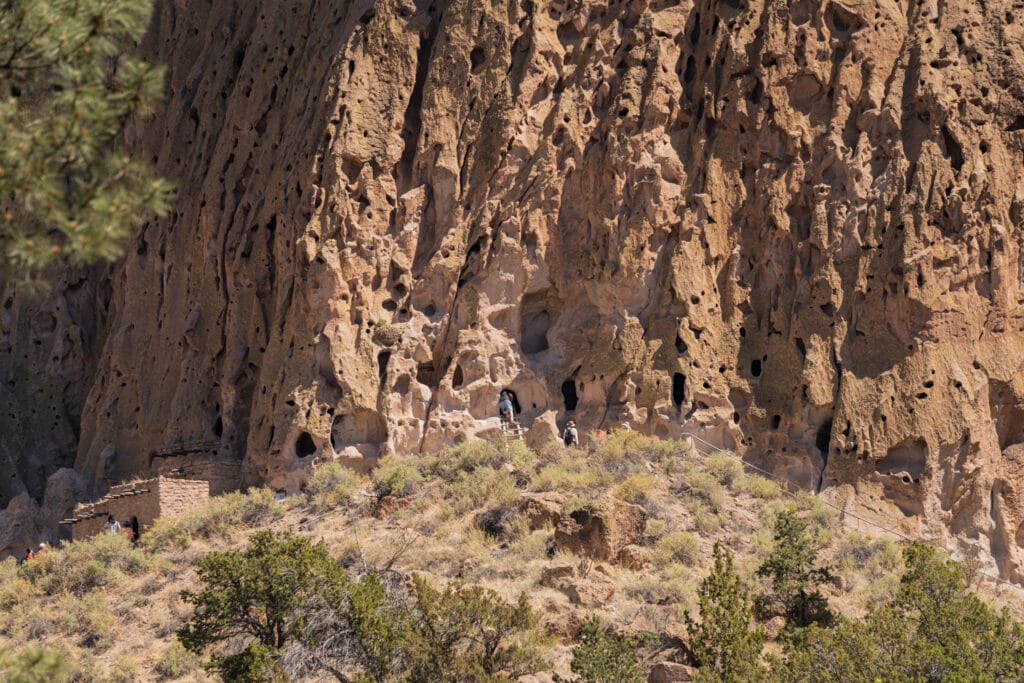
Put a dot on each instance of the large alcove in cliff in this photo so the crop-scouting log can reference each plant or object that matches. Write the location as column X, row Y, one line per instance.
column 535, row 321
column 357, row 427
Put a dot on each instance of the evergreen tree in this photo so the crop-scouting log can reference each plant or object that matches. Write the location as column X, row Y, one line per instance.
column 724, row 644
column 68, row 86
column 794, row 578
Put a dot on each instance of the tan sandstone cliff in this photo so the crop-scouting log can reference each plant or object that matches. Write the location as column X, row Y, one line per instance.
column 792, row 228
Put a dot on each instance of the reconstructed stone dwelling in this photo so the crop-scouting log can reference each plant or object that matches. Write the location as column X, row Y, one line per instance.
column 179, row 487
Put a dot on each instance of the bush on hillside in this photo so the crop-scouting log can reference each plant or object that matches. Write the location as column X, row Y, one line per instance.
column 724, row 467
column 82, row 566
column 396, row 477
column 332, row 485
column 601, row 657
column 218, row 518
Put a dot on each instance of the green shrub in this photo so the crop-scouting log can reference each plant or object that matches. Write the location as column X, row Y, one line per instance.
column 88, row 619
column 474, row 454
column 395, row 477
column 571, row 474
column 704, row 487
column 176, row 662
column 332, row 485
column 624, row 451
column 705, row 521
column 34, row 665
column 81, row 566
column 793, row 575
column 636, row 488
column 725, row 467
column 875, row 557
column 678, row 546
column 482, row 486
column 601, row 657
column 759, row 487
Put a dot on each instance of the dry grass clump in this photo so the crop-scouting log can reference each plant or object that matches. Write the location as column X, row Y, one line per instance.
column 624, row 452
column 397, row 477
column 724, row 467
column 482, row 486
column 759, row 487
column 218, row 518
column 705, row 488
column 678, row 546
column 332, row 485
column 572, row 473
column 82, row 566
column 636, row 488
column 872, row 557
column 176, row 662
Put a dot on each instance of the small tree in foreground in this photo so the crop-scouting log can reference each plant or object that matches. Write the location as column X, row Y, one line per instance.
column 254, row 596
column 600, row 657
column 724, row 643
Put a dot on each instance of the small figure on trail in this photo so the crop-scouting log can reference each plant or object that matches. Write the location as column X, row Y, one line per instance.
column 112, row 525
column 601, row 436
column 505, row 406
column 41, row 549
column 28, row 554
column 570, row 437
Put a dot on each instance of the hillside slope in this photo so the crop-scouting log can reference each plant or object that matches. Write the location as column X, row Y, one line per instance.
column 113, row 609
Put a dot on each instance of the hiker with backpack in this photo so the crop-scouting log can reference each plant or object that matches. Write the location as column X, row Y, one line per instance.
column 571, row 437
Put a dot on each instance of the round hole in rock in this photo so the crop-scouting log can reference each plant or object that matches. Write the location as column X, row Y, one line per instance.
column 776, row 421
column 569, row 394
column 304, row 446
column 755, row 367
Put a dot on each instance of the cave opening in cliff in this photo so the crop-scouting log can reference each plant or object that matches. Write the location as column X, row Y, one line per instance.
column 382, row 365
column 755, row 367
column 304, row 445
column 824, row 436
column 535, row 321
column 357, row 427
column 457, row 378
column 681, row 347
column 678, row 389
column 569, row 394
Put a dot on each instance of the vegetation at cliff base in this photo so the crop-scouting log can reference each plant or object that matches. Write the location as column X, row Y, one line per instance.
column 69, row 85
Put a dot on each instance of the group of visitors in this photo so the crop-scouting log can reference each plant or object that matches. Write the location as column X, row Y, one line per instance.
column 31, row 555
column 507, row 410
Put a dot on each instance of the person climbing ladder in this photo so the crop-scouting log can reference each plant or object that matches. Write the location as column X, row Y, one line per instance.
column 505, row 406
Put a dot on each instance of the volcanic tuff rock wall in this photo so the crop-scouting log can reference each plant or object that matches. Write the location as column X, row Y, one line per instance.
column 791, row 227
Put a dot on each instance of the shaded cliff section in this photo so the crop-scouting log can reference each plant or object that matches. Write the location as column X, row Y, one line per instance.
column 790, row 228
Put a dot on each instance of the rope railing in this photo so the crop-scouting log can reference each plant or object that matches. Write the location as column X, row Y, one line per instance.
column 710, row 448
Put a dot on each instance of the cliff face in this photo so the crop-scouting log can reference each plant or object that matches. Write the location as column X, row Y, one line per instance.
column 792, row 228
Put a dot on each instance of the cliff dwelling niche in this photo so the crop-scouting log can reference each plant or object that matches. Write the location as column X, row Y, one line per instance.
column 361, row 426
column 906, row 460
column 678, row 389
column 569, row 394
column 304, row 445
column 535, row 321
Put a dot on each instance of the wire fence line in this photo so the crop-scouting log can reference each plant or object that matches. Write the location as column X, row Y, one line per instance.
column 706, row 448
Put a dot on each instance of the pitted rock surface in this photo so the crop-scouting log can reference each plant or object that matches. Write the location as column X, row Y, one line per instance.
column 792, row 228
